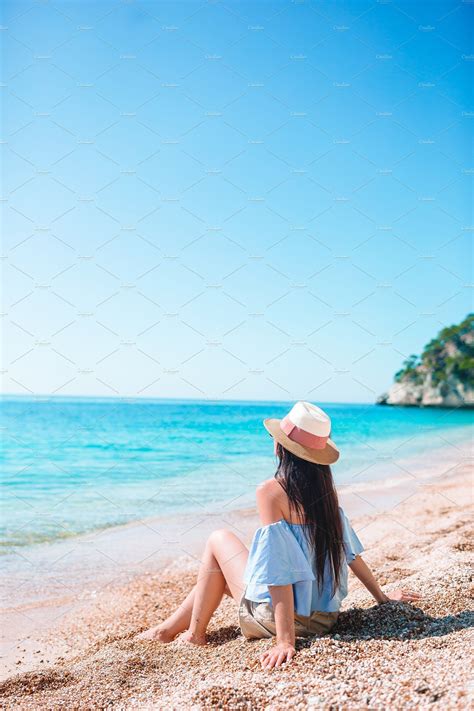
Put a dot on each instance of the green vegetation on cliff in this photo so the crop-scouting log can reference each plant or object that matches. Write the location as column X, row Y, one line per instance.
column 451, row 353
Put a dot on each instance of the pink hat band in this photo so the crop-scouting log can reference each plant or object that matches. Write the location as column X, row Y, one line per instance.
column 296, row 434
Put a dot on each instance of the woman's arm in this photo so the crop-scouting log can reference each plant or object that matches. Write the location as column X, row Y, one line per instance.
column 270, row 509
column 284, row 609
column 362, row 571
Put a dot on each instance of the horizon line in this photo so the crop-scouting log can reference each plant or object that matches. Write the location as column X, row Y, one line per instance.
column 43, row 396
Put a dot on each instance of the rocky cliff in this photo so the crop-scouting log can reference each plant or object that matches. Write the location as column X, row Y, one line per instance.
column 443, row 376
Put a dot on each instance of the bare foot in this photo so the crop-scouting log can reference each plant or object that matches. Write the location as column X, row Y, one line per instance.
column 157, row 634
column 188, row 637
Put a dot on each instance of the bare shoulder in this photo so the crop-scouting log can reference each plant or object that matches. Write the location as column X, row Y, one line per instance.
column 270, row 487
column 271, row 501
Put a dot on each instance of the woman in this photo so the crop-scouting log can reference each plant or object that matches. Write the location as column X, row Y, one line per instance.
column 294, row 578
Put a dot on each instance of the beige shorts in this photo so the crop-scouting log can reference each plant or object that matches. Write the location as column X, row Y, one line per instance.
column 256, row 621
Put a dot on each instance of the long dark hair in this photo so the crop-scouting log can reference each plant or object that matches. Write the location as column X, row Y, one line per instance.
column 313, row 499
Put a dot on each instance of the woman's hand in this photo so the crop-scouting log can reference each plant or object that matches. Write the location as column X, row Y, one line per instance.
column 402, row 595
column 277, row 655
column 284, row 611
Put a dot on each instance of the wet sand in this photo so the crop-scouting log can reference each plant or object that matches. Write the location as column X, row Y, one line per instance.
column 77, row 650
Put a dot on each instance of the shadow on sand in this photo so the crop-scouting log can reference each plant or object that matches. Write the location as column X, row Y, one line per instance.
column 390, row 621
column 398, row 621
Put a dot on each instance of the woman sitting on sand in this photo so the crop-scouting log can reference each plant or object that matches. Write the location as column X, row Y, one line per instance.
column 292, row 581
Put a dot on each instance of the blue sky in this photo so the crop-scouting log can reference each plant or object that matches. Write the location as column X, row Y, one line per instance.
column 235, row 200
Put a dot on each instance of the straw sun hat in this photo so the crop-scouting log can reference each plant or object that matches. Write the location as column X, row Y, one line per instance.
column 305, row 431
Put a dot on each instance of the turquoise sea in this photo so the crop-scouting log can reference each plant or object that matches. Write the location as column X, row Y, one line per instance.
column 73, row 465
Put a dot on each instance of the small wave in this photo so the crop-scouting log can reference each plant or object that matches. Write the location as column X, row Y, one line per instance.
column 116, row 447
column 12, row 542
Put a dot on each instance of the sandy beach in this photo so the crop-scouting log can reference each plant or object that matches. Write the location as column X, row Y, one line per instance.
column 230, row 226
column 77, row 650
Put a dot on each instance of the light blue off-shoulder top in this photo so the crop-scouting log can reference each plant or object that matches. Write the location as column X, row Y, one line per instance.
column 280, row 554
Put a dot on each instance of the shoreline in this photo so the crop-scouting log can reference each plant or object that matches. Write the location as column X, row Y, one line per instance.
column 81, row 571
column 80, row 565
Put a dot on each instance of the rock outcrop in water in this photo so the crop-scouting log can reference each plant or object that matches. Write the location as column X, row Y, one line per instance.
column 443, row 376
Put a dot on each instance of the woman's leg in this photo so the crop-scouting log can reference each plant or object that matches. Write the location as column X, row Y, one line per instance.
column 167, row 630
column 222, row 569
column 179, row 621
column 223, row 551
